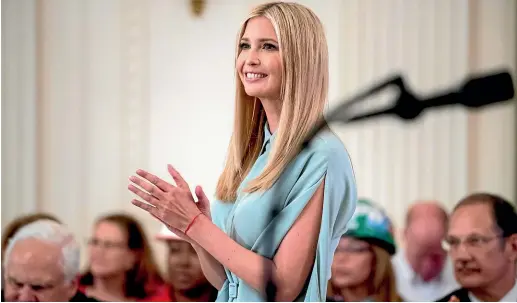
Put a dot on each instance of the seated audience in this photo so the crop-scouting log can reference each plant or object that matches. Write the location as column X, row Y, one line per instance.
column 186, row 278
column 482, row 242
column 423, row 271
column 20, row 222
column 41, row 264
column 121, row 266
column 362, row 270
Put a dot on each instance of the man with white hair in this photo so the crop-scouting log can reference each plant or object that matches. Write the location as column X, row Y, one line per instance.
column 41, row 264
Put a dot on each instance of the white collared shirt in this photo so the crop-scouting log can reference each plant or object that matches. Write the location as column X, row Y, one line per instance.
column 412, row 288
column 511, row 296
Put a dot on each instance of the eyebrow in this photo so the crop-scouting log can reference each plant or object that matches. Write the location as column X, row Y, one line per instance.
column 38, row 283
column 260, row 40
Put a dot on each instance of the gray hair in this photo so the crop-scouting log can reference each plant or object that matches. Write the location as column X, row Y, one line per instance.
column 51, row 232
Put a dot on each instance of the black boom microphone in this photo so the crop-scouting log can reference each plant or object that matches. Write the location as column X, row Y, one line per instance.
column 476, row 92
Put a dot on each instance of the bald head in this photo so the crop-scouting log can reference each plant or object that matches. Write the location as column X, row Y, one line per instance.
column 426, row 223
column 426, row 226
column 423, row 210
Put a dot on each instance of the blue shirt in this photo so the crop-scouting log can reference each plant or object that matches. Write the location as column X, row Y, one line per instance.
column 259, row 221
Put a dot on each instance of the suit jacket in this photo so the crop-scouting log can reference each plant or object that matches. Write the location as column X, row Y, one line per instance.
column 462, row 294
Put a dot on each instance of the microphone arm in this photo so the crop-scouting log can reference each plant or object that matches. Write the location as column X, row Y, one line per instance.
column 476, row 92
column 338, row 113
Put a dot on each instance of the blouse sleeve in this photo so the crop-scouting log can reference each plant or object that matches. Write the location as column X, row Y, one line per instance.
column 312, row 167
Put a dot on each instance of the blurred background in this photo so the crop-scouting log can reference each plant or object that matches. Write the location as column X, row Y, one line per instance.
column 93, row 90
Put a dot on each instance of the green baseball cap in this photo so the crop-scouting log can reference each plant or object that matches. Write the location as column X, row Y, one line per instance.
column 371, row 224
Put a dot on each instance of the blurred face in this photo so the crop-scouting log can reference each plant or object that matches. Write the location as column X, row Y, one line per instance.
column 424, row 247
column 259, row 63
column 108, row 250
column 34, row 272
column 481, row 256
column 353, row 263
column 184, row 269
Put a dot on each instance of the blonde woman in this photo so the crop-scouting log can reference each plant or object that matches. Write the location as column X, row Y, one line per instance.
column 362, row 271
column 280, row 210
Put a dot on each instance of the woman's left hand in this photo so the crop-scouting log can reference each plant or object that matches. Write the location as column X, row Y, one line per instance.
column 173, row 205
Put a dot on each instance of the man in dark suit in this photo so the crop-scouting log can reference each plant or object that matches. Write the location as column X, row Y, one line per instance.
column 482, row 243
column 41, row 264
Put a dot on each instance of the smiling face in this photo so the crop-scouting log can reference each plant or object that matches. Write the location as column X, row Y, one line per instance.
column 259, row 63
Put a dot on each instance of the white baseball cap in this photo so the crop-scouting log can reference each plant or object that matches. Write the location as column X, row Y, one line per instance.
column 167, row 234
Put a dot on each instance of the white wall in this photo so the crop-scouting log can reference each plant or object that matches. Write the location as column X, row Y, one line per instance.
column 494, row 131
column 436, row 43
column 95, row 89
column 18, row 108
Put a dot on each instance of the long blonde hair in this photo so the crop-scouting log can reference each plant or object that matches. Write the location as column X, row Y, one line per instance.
column 304, row 55
column 382, row 280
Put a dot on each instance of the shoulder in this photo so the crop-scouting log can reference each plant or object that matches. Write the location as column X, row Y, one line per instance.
column 81, row 297
column 326, row 149
column 398, row 260
column 324, row 156
column 331, row 299
column 160, row 294
column 328, row 144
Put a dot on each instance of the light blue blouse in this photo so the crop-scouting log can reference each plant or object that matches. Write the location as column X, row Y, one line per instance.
column 251, row 220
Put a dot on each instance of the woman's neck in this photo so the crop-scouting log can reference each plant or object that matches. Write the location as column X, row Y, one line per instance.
column 273, row 108
column 355, row 294
column 111, row 287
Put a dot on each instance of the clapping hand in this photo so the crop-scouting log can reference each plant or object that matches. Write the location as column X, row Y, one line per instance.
column 172, row 205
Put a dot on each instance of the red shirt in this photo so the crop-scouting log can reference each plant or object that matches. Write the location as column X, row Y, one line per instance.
column 161, row 294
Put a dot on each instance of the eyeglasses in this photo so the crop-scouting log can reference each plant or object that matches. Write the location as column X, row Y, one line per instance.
column 353, row 249
column 471, row 242
column 105, row 244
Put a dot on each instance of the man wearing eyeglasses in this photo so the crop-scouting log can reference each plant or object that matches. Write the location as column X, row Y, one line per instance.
column 482, row 243
column 41, row 264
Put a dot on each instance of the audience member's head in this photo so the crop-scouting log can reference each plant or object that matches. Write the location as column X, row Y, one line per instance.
column 184, row 273
column 9, row 231
column 119, row 251
column 41, row 263
column 426, row 226
column 362, row 268
column 482, row 242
